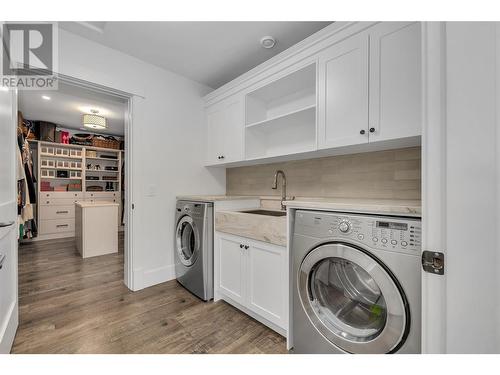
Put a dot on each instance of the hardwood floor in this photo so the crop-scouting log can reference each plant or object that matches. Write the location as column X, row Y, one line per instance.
column 71, row 305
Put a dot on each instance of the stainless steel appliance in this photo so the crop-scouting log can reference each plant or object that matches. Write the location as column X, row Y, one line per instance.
column 193, row 242
column 356, row 283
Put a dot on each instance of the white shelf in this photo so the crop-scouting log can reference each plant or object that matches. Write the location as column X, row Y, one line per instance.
column 283, row 117
column 62, row 169
column 101, row 171
column 60, row 178
column 99, row 158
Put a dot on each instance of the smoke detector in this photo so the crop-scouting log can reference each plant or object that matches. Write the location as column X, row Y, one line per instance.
column 268, row 42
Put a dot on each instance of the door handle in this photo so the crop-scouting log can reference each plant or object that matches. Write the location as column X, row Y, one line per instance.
column 6, row 224
column 2, row 258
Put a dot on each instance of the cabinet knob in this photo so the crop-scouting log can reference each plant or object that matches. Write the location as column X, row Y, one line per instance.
column 362, row 131
column 372, row 130
column 222, row 156
column 241, row 246
column 246, row 247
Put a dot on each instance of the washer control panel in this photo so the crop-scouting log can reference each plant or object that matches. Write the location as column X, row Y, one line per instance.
column 402, row 234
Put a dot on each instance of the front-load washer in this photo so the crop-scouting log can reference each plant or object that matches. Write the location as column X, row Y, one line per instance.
column 193, row 243
column 355, row 283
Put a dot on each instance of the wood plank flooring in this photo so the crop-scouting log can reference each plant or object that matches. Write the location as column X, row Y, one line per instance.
column 71, row 305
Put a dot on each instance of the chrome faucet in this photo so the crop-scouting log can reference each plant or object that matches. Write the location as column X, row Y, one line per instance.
column 283, row 186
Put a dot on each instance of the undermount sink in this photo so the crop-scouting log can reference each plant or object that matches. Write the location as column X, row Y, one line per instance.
column 266, row 212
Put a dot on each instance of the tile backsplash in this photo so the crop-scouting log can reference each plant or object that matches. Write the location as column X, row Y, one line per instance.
column 393, row 174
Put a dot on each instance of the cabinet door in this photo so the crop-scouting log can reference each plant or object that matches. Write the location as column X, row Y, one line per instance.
column 395, row 80
column 343, row 93
column 231, row 269
column 225, row 131
column 266, row 278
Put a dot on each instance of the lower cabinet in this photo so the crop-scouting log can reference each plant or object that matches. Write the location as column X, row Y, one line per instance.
column 253, row 276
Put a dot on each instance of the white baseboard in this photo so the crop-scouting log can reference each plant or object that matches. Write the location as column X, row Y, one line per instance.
column 8, row 332
column 146, row 278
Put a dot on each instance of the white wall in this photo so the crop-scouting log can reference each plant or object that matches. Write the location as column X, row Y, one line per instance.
column 168, row 145
column 472, row 176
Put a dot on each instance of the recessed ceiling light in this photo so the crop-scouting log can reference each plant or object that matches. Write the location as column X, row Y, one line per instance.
column 268, row 42
column 45, row 97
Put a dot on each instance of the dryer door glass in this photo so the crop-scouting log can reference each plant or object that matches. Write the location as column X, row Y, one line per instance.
column 352, row 299
column 187, row 241
column 347, row 299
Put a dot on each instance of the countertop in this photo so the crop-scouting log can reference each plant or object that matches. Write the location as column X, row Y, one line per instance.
column 355, row 205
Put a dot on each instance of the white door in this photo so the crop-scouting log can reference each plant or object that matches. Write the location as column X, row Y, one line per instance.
column 395, row 81
column 231, row 268
column 225, row 131
column 8, row 220
column 343, row 94
column 266, row 280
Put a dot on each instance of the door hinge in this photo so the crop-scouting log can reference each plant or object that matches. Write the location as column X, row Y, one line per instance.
column 433, row 262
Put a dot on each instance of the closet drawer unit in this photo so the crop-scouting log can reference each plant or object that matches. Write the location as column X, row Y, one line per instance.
column 48, row 173
column 104, row 199
column 75, row 153
column 57, row 226
column 61, row 152
column 63, row 164
column 47, row 150
column 75, row 165
column 47, row 163
column 61, row 194
column 75, row 174
column 102, row 194
column 58, row 202
column 52, row 212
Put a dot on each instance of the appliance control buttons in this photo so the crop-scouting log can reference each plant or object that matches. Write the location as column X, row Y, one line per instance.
column 384, row 240
column 394, row 242
column 344, row 226
column 375, row 239
column 404, row 243
column 360, row 236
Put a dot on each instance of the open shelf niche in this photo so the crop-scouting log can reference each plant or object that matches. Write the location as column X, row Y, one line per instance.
column 280, row 117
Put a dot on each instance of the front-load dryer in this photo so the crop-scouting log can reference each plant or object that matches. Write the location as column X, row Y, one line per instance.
column 193, row 243
column 356, row 283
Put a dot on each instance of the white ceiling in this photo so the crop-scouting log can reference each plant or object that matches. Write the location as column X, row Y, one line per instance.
column 67, row 105
column 212, row 53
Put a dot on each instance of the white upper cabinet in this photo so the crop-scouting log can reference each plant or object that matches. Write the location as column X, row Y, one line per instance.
column 225, row 131
column 395, row 80
column 343, row 93
column 359, row 85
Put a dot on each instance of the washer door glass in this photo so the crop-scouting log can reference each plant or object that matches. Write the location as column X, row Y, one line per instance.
column 187, row 241
column 352, row 300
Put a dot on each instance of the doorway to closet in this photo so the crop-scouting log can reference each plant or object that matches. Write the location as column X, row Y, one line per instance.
column 73, row 150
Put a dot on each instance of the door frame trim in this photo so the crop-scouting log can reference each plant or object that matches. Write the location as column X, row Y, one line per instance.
column 129, row 248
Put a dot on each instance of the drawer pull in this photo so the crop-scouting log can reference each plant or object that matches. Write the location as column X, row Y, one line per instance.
column 2, row 259
column 62, row 212
column 61, row 225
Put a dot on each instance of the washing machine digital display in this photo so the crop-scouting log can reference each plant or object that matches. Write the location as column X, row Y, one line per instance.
column 392, row 225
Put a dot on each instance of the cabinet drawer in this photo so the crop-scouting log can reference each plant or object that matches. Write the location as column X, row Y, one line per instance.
column 57, row 226
column 60, row 194
column 57, row 212
column 58, row 202
column 102, row 194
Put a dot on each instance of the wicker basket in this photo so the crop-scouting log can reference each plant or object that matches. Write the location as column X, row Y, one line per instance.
column 106, row 143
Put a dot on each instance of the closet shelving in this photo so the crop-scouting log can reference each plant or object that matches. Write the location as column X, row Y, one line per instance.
column 280, row 116
column 56, row 207
column 75, row 160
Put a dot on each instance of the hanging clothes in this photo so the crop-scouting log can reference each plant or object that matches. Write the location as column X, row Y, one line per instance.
column 26, row 192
